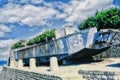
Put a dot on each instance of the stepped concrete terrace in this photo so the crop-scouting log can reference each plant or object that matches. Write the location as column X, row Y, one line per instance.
column 85, row 71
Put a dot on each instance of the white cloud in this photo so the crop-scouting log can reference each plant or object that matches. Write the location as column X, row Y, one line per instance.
column 2, row 34
column 28, row 14
column 36, row 1
column 4, row 29
column 73, row 11
column 6, row 43
column 4, row 48
column 78, row 10
column 38, row 15
column 25, row 1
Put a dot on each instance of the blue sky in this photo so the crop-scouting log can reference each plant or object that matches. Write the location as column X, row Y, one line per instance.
column 24, row 19
column 116, row 2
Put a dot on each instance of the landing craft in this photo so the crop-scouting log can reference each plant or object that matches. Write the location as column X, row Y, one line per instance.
column 69, row 45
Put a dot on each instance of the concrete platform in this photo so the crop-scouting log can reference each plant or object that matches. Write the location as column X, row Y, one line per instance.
column 71, row 72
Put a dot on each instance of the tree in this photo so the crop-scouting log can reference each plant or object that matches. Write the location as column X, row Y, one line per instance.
column 45, row 36
column 106, row 19
column 18, row 44
column 31, row 42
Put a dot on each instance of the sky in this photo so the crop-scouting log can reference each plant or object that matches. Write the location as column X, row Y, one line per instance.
column 24, row 19
column 117, row 3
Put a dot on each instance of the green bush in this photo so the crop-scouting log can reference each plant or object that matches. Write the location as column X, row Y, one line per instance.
column 106, row 19
column 31, row 42
column 18, row 44
column 46, row 36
